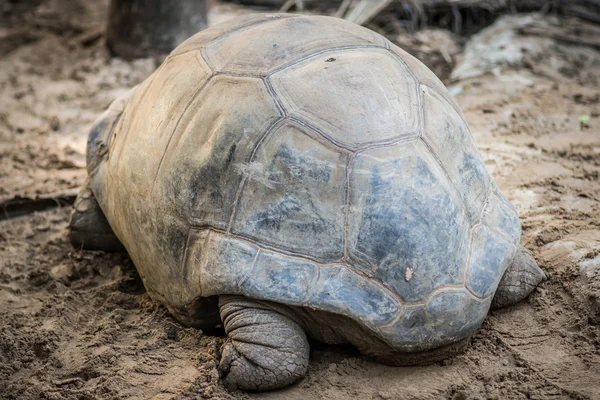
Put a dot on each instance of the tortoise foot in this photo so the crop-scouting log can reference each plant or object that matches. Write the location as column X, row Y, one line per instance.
column 266, row 350
column 88, row 228
column 519, row 280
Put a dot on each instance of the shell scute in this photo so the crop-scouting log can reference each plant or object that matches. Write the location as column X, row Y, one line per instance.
column 490, row 255
column 448, row 316
column 500, row 214
column 449, row 137
column 216, row 263
column 224, row 29
column 156, row 116
column 201, row 170
column 276, row 43
column 358, row 97
column 406, row 224
column 340, row 290
column 277, row 277
column 293, row 195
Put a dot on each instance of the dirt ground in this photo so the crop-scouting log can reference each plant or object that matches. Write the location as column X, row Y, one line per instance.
column 78, row 325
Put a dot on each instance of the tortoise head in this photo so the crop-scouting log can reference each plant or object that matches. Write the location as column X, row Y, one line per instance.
column 100, row 134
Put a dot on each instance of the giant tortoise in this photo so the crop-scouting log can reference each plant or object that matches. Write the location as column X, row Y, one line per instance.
column 288, row 177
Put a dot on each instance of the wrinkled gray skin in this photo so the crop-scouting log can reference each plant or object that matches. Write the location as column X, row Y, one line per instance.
column 322, row 185
column 521, row 276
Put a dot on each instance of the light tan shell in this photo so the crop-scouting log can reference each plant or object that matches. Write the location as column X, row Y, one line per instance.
column 308, row 161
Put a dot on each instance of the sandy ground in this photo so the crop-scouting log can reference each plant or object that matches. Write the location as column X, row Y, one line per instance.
column 78, row 325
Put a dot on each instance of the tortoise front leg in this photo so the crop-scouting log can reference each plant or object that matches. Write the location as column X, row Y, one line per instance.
column 88, row 228
column 265, row 350
column 519, row 280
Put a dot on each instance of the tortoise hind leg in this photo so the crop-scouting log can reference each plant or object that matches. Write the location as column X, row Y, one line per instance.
column 265, row 349
column 88, row 228
column 519, row 280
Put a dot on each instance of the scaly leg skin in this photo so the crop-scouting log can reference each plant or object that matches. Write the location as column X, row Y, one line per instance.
column 265, row 349
column 88, row 228
column 519, row 280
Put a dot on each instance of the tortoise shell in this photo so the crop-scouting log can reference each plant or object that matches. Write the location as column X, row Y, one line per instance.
column 308, row 161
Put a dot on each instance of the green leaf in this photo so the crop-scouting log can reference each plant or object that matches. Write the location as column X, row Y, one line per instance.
column 584, row 119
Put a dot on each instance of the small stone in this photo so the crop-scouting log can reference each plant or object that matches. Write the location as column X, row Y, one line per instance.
column 110, row 272
column 54, row 123
column 42, row 228
column 82, row 206
column 28, row 233
column 61, row 272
